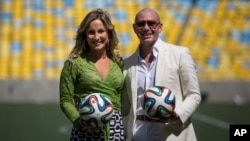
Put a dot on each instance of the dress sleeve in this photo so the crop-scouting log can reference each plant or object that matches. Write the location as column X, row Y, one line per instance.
column 66, row 89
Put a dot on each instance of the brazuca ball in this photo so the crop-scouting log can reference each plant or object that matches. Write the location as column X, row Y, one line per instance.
column 158, row 102
column 96, row 110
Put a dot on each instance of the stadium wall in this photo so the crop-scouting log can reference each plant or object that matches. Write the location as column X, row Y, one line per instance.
column 47, row 91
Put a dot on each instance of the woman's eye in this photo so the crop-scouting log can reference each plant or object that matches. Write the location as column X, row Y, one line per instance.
column 91, row 32
column 101, row 31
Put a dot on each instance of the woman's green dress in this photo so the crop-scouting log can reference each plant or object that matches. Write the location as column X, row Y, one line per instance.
column 80, row 78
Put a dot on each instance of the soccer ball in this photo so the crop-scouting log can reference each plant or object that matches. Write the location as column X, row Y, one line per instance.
column 158, row 102
column 96, row 110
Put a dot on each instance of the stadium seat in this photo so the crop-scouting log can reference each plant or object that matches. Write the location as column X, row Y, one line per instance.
column 43, row 31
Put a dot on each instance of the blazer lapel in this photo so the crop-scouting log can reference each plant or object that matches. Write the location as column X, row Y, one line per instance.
column 134, row 86
column 162, row 64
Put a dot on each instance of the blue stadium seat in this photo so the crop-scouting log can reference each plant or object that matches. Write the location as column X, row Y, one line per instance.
column 16, row 47
column 99, row 4
column 68, row 3
column 216, row 32
column 120, row 15
column 6, row 16
column 124, row 38
column 37, row 5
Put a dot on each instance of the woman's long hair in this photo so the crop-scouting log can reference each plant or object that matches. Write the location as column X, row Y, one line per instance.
column 81, row 45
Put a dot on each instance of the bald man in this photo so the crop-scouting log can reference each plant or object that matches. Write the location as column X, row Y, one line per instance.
column 157, row 63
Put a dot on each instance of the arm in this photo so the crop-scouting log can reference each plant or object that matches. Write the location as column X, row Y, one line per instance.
column 66, row 88
column 189, row 85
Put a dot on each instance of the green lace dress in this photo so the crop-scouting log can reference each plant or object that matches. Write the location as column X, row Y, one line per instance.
column 80, row 78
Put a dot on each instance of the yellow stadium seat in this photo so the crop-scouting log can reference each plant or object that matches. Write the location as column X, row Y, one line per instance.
column 49, row 73
column 50, row 29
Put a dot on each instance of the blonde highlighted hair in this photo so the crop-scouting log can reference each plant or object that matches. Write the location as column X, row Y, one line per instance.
column 81, row 46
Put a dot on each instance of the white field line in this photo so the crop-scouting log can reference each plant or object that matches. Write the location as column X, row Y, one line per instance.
column 211, row 121
column 64, row 129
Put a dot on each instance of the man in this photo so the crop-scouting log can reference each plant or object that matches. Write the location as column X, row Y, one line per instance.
column 156, row 63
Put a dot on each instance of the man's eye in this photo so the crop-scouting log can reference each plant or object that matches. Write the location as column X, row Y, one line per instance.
column 151, row 23
column 140, row 24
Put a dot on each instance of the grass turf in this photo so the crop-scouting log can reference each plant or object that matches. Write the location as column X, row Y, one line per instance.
column 45, row 122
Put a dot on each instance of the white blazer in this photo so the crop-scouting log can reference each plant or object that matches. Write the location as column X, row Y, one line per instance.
column 175, row 70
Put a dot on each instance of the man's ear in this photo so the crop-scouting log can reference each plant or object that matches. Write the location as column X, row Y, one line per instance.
column 160, row 27
column 134, row 28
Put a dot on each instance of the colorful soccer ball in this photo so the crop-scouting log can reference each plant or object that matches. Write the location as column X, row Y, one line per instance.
column 158, row 102
column 96, row 110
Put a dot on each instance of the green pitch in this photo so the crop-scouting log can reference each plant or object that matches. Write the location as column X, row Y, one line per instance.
column 27, row 122
column 46, row 122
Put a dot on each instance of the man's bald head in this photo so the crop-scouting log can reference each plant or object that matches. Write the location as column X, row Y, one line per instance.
column 147, row 10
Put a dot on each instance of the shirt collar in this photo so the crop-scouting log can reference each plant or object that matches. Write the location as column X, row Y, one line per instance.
column 156, row 49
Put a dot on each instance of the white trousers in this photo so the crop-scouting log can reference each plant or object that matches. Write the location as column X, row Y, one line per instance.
column 148, row 131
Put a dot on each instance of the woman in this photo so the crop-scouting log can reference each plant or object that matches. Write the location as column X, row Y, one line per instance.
column 93, row 66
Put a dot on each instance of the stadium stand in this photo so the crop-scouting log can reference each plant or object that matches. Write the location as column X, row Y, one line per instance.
column 37, row 35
